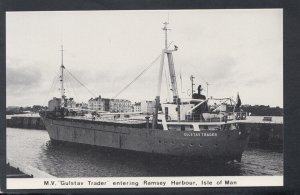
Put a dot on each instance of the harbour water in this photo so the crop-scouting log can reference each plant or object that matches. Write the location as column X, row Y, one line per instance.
column 34, row 148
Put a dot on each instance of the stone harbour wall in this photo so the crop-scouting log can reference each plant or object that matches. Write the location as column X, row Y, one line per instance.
column 25, row 122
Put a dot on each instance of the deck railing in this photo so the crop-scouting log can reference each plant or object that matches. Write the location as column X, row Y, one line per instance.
column 215, row 117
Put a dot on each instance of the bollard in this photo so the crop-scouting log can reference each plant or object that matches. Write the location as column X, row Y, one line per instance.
column 147, row 122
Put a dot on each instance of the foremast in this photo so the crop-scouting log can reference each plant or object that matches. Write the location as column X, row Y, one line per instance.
column 169, row 54
column 62, row 67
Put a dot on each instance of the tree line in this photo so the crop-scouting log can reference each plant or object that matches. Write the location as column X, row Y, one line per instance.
column 22, row 110
column 261, row 110
column 256, row 110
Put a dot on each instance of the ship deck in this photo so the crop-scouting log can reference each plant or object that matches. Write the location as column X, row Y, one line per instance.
column 111, row 120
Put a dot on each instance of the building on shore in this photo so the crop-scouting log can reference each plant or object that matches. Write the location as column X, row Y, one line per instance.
column 136, row 107
column 70, row 103
column 54, row 104
column 81, row 105
column 119, row 105
column 96, row 104
column 109, row 105
column 147, row 106
column 12, row 108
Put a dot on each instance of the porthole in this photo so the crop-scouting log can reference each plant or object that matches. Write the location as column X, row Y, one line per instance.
column 200, row 145
column 191, row 144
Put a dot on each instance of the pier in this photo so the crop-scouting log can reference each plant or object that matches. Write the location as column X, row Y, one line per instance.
column 263, row 120
column 25, row 121
column 266, row 131
column 19, row 170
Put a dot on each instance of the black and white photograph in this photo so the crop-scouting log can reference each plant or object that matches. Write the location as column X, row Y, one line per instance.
column 144, row 98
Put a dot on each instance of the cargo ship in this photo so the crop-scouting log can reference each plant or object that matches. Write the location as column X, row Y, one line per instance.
column 196, row 127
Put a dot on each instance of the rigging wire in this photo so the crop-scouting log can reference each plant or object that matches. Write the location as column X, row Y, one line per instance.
column 139, row 75
column 54, row 81
column 80, row 82
column 74, row 92
column 202, row 78
column 67, row 82
column 69, row 86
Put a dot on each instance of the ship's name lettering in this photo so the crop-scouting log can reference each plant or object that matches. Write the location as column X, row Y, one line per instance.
column 97, row 183
column 71, row 183
column 200, row 134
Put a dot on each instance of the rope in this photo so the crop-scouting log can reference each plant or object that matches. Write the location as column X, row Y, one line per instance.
column 54, row 81
column 80, row 82
column 74, row 92
column 138, row 76
column 68, row 86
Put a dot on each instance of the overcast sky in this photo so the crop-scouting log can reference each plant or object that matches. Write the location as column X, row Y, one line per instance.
column 234, row 50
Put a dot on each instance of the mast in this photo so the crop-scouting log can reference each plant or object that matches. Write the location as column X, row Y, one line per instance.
column 166, row 34
column 171, row 63
column 207, row 89
column 176, row 99
column 192, row 80
column 62, row 67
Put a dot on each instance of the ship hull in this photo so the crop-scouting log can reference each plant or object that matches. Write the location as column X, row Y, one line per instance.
column 208, row 144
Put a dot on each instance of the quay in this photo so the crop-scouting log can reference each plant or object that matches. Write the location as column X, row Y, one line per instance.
column 263, row 120
column 266, row 131
column 19, row 170
column 13, row 172
column 25, row 121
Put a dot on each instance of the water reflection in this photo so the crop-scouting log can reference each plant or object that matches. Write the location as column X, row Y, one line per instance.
column 71, row 160
column 34, row 148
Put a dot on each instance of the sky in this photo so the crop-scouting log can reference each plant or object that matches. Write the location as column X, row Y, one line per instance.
column 235, row 51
